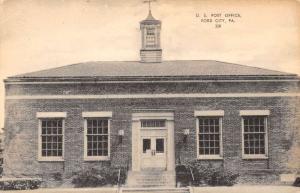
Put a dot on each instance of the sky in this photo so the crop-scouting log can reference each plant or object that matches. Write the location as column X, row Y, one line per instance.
column 42, row 34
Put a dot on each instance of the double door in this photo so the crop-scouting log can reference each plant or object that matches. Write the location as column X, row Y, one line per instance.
column 153, row 152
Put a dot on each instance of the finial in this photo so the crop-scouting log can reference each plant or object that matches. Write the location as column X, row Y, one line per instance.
column 149, row 4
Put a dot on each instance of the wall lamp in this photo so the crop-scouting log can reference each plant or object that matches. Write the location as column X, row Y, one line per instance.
column 186, row 132
column 121, row 135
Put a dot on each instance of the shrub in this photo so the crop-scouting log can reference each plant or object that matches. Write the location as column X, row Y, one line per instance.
column 183, row 176
column 89, row 178
column 112, row 176
column 57, row 176
column 99, row 177
column 297, row 182
column 209, row 175
column 19, row 183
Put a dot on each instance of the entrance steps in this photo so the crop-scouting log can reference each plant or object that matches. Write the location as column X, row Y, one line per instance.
column 151, row 178
column 155, row 190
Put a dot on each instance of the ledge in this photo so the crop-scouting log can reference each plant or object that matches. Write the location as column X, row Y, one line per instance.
column 254, row 157
column 51, row 114
column 106, row 158
column 209, row 113
column 51, row 159
column 254, row 112
column 217, row 157
column 94, row 114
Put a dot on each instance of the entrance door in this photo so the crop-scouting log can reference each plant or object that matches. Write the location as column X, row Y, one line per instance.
column 153, row 152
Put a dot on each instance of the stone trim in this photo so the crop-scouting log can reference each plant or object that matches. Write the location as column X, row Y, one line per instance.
column 12, row 82
column 209, row 113
column 51, row 114
column 134, row 96
column 254, row 112
column 157, row 115
column 136, row 135
column 97, row 114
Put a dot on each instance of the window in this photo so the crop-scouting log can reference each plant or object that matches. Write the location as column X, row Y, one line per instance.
column 153, row 123
column 146, row 145
column 254, row 136
column 160, row 145
column 97, row 135
column 209, row 134
column 51, row 136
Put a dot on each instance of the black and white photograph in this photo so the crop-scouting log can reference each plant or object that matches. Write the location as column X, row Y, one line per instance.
column 150, row 96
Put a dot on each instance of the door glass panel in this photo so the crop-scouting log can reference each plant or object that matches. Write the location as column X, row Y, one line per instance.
column 146, row 145
column 160, row 148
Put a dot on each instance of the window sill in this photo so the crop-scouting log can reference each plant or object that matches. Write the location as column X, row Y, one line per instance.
column 216, row 157
column 51, row 159
column 106, row 158
column 254, row 157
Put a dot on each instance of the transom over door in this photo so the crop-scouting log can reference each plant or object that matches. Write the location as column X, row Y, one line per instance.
column 153, row 152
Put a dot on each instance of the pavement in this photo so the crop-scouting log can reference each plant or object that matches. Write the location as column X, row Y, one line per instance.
column 232, row 189
column 247, row 189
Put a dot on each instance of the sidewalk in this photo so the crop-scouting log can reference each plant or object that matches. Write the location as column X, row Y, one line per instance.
column 233, row 189
column 247, row 189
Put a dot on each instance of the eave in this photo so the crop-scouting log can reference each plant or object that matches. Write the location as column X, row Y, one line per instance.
column 153, row 79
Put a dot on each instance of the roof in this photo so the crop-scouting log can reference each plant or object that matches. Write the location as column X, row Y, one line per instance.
column 179, row 68
column 150, row 19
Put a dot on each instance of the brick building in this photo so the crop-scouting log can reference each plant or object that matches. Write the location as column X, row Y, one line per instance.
column 152, row 114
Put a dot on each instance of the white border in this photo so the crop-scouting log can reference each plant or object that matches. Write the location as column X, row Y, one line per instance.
column 51, row 114
column 97, row 114
column 210, row 157
column 178, row 95
column 256, row 156
column 96, row 158
column 209, row 113
column 50, row 158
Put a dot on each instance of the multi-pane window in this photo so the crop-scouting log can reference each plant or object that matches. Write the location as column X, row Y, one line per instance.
column 209, row 136
column 51, row 137
column 153, row 123
column 254, row 132
column 97, row 137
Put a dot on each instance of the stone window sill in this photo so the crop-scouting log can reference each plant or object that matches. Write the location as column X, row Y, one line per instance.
column 51, row 159
column 209, row 157
column 254, row 157
column 100, row 158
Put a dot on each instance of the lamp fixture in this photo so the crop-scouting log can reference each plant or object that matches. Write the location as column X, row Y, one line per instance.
column 121, row 135
column 186, row 132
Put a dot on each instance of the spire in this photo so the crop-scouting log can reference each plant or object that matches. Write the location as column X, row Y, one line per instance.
column 149, row 4
column 150, row 17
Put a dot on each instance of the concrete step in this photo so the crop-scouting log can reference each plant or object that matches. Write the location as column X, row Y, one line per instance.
column 151, row 179
column 155, row 190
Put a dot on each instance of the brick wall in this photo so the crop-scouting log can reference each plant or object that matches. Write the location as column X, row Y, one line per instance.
column 113, row 88
column 21, row 124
